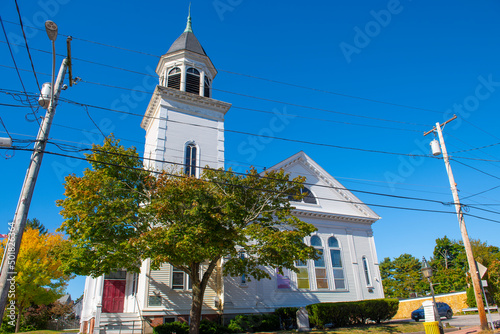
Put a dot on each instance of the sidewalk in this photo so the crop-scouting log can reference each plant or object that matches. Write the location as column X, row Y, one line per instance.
column 468, row 330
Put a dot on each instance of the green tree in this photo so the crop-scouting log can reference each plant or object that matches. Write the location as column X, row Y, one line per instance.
column 401, row 276
column 449, row 265
column 37, row 225
column 117, row 215
column 40, row 279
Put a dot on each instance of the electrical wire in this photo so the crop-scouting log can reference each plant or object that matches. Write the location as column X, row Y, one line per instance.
column 260, row 78
column 17, row 69
column 322, row 198
column 7, row 131
column 255, row 97
column 252, row 134
column 26, row 43
column 76, row 149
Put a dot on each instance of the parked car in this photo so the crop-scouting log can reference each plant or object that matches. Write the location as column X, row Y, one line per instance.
column 444, row 310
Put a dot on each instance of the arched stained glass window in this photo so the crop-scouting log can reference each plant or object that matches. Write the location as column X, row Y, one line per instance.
column 193, row 81
column 319, row 264
column 190, row 160
column 174, row 78
column 302, row 275
column 336, row 259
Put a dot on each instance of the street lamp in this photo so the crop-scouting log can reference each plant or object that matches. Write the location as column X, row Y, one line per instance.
column 51, row 29
column 427, row 273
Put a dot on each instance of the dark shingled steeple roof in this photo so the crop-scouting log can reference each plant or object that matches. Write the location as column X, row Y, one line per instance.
column 187, row 41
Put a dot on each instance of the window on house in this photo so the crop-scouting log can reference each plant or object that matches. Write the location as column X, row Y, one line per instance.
column 190, row 160
column 308, row 198
column 206, row 89
column 174, row 78
column 193, row 81
column 319, row 264
column 180, row 280
column 283, row 280
column 367, row 271
column 336, row 258
column 302, row 275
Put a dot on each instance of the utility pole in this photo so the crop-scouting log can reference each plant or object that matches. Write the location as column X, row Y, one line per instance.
column 16, row 228
column 465, row 236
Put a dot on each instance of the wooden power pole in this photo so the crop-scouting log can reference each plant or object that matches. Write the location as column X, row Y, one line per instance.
column 465, row 236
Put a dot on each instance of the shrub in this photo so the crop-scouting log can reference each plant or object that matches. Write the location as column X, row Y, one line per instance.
column 210, row 327
column 352, row 313
column 379, row 309
column 172, row 327
column 254, row 323
column 287, row 317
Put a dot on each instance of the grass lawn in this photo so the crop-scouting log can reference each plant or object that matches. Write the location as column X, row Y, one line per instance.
column 392, row 327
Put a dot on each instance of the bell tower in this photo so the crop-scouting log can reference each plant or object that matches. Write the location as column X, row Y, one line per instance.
column 184, row 125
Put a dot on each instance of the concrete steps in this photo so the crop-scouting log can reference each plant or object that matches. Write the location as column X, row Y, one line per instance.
column 120, row 323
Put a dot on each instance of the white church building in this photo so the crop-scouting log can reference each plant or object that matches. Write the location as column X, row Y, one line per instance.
column 184, row 125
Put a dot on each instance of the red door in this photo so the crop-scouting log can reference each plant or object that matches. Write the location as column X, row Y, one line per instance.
column 113, row 296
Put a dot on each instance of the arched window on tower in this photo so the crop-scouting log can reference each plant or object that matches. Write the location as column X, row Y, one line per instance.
column 336, row 258
column 206, row 89
column 174, row 78
column 190, row 160
column 193, row 81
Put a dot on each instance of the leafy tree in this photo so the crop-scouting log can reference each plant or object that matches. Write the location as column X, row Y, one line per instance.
column 401, row 276
column 117, row 215
column 36, row 225
column 40, row 279
column 449, row 266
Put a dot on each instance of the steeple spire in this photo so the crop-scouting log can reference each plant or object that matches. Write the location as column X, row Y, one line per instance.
column 188, row 25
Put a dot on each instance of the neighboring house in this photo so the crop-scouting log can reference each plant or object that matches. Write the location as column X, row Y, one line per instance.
column 184, row 131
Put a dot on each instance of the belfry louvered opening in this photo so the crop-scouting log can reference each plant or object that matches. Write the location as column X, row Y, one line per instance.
column 174, row 78
column 193, row 81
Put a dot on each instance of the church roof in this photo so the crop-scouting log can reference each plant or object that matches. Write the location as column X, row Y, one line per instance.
column 187, row 41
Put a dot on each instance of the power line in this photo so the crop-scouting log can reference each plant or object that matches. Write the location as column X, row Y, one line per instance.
column 260, row 78
column 244, row 95
column 322, row 198
column 253, row 134
column 272, row 137
column 17, row 69
column 76, row 149
column 26, row 42
column 477, row 169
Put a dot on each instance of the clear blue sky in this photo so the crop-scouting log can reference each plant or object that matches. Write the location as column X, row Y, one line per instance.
column 379, row 74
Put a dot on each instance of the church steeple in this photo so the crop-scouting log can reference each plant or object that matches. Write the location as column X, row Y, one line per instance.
column 186, row 66
column 184, row 125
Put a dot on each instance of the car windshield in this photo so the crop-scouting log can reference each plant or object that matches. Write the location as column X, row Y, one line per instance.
column 421, row 307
